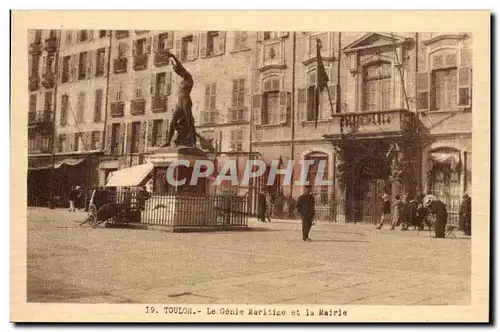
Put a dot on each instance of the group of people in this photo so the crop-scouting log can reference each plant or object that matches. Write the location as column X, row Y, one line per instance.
column 421, row 211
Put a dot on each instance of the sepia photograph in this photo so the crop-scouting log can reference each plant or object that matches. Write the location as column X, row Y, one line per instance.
column 252, row 175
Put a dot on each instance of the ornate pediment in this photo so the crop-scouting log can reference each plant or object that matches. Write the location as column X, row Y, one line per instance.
column 374, row 40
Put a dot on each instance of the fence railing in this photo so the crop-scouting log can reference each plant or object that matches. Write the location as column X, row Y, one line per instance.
column 212, row 210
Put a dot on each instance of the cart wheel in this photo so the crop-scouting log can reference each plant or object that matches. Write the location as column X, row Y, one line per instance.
column 92, row 216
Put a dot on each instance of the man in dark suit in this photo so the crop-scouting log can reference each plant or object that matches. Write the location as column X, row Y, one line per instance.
column 305, row 207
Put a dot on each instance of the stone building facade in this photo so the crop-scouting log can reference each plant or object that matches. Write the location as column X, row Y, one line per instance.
column 402, row 125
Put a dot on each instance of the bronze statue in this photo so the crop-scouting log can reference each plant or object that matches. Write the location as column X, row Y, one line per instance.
column 182, row 119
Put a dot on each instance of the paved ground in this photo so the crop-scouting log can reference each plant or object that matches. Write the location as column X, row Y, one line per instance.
column 345, row 264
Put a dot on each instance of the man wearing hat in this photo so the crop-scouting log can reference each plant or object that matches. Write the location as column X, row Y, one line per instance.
column 305, row 207
column 74, row 196
column 386, row 211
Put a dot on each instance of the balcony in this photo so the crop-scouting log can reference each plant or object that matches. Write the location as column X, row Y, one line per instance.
column 33, row 82
column 159, row 104
column 48, row 80
column 121, row 34
column 137, row 106
column 141, row 62
column 117, row 108
column 35, row 48
column 120, row 65
column 210, row 117
column 379, row 124
column 237, row 115
column 40, row 118
column 161, row 58
column 51, row 44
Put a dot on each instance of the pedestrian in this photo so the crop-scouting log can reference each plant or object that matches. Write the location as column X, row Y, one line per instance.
column 261, row 206
column 404, row 218
column 269, row 206
column 397, row 212
column 438, row 209
column 465, row 214
column 73, row 196
column 305, row 208
column 412, row 216
column 386, row 211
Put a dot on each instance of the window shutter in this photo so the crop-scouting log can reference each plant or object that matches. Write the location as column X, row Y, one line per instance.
column 134, row 48
column 152, row 85
column 155, row 43
column 142, row 137
column 72, row 139
column 121, row 138
column 105, row 61
column 264, row 118
column 128, row 143
column 44, row 63
column 78, row 34
column 234, row 95
column 423, row 91
column 256, row 107
column 74, row 67
column 170, row 40
column 168, row 84
column 222, row 42
column 148, row 45
column 60, row 69
column 288, row 107
column 150, row 134
column 464, row 86
column 283, row 109
column 91, row 34
column 196, row 40
column 91, row 60
column 203, row 44
column 207, row 97
column 177, row 50
column 236, row 40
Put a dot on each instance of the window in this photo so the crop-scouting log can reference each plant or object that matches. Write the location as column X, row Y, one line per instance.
column 83, row 35
column 38, row 36
column 35, row 63
column 53, row 34
column 49, row 63
column 270, row 101
column 95, row 144
column 238, row 100
column 446, row 184
column 157, row 134
column 98, row 105
column 80, row 108
column 64, row 110
column 240, row 40
column 61, row 144
column 377, row 86
column 444, row 89
column 212, row 42
column 267, row 35
column 134, row 137
column 237, row 140
column 122, row 47
column 82, row 66
column 187, row 48
column 210, row 102
column 76, row 146
column 99, row 69
column 160, row 81
column 162, row 41
column 320, row 192
column 102, row 33
column 32, row 106
column 115, row 138
column 46, row 143
column 65, row 69
column 138, row 88
column 48, row 101
column 140, row 47
column 119, row 93
column 69, row 37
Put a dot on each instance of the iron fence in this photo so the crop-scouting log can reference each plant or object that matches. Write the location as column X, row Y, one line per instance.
column 183, row 210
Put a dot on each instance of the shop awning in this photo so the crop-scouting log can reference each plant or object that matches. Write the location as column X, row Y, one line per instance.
column 452, row 158
column 69, row 162
column 130, row 177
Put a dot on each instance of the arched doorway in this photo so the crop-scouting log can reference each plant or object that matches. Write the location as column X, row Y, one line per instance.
column 371, row 182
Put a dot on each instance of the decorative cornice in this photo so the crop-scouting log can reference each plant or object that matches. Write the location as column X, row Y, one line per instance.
column 447, row 36
column 270, row 67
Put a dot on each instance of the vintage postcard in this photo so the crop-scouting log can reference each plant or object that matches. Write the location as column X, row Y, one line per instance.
column 236, row 166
